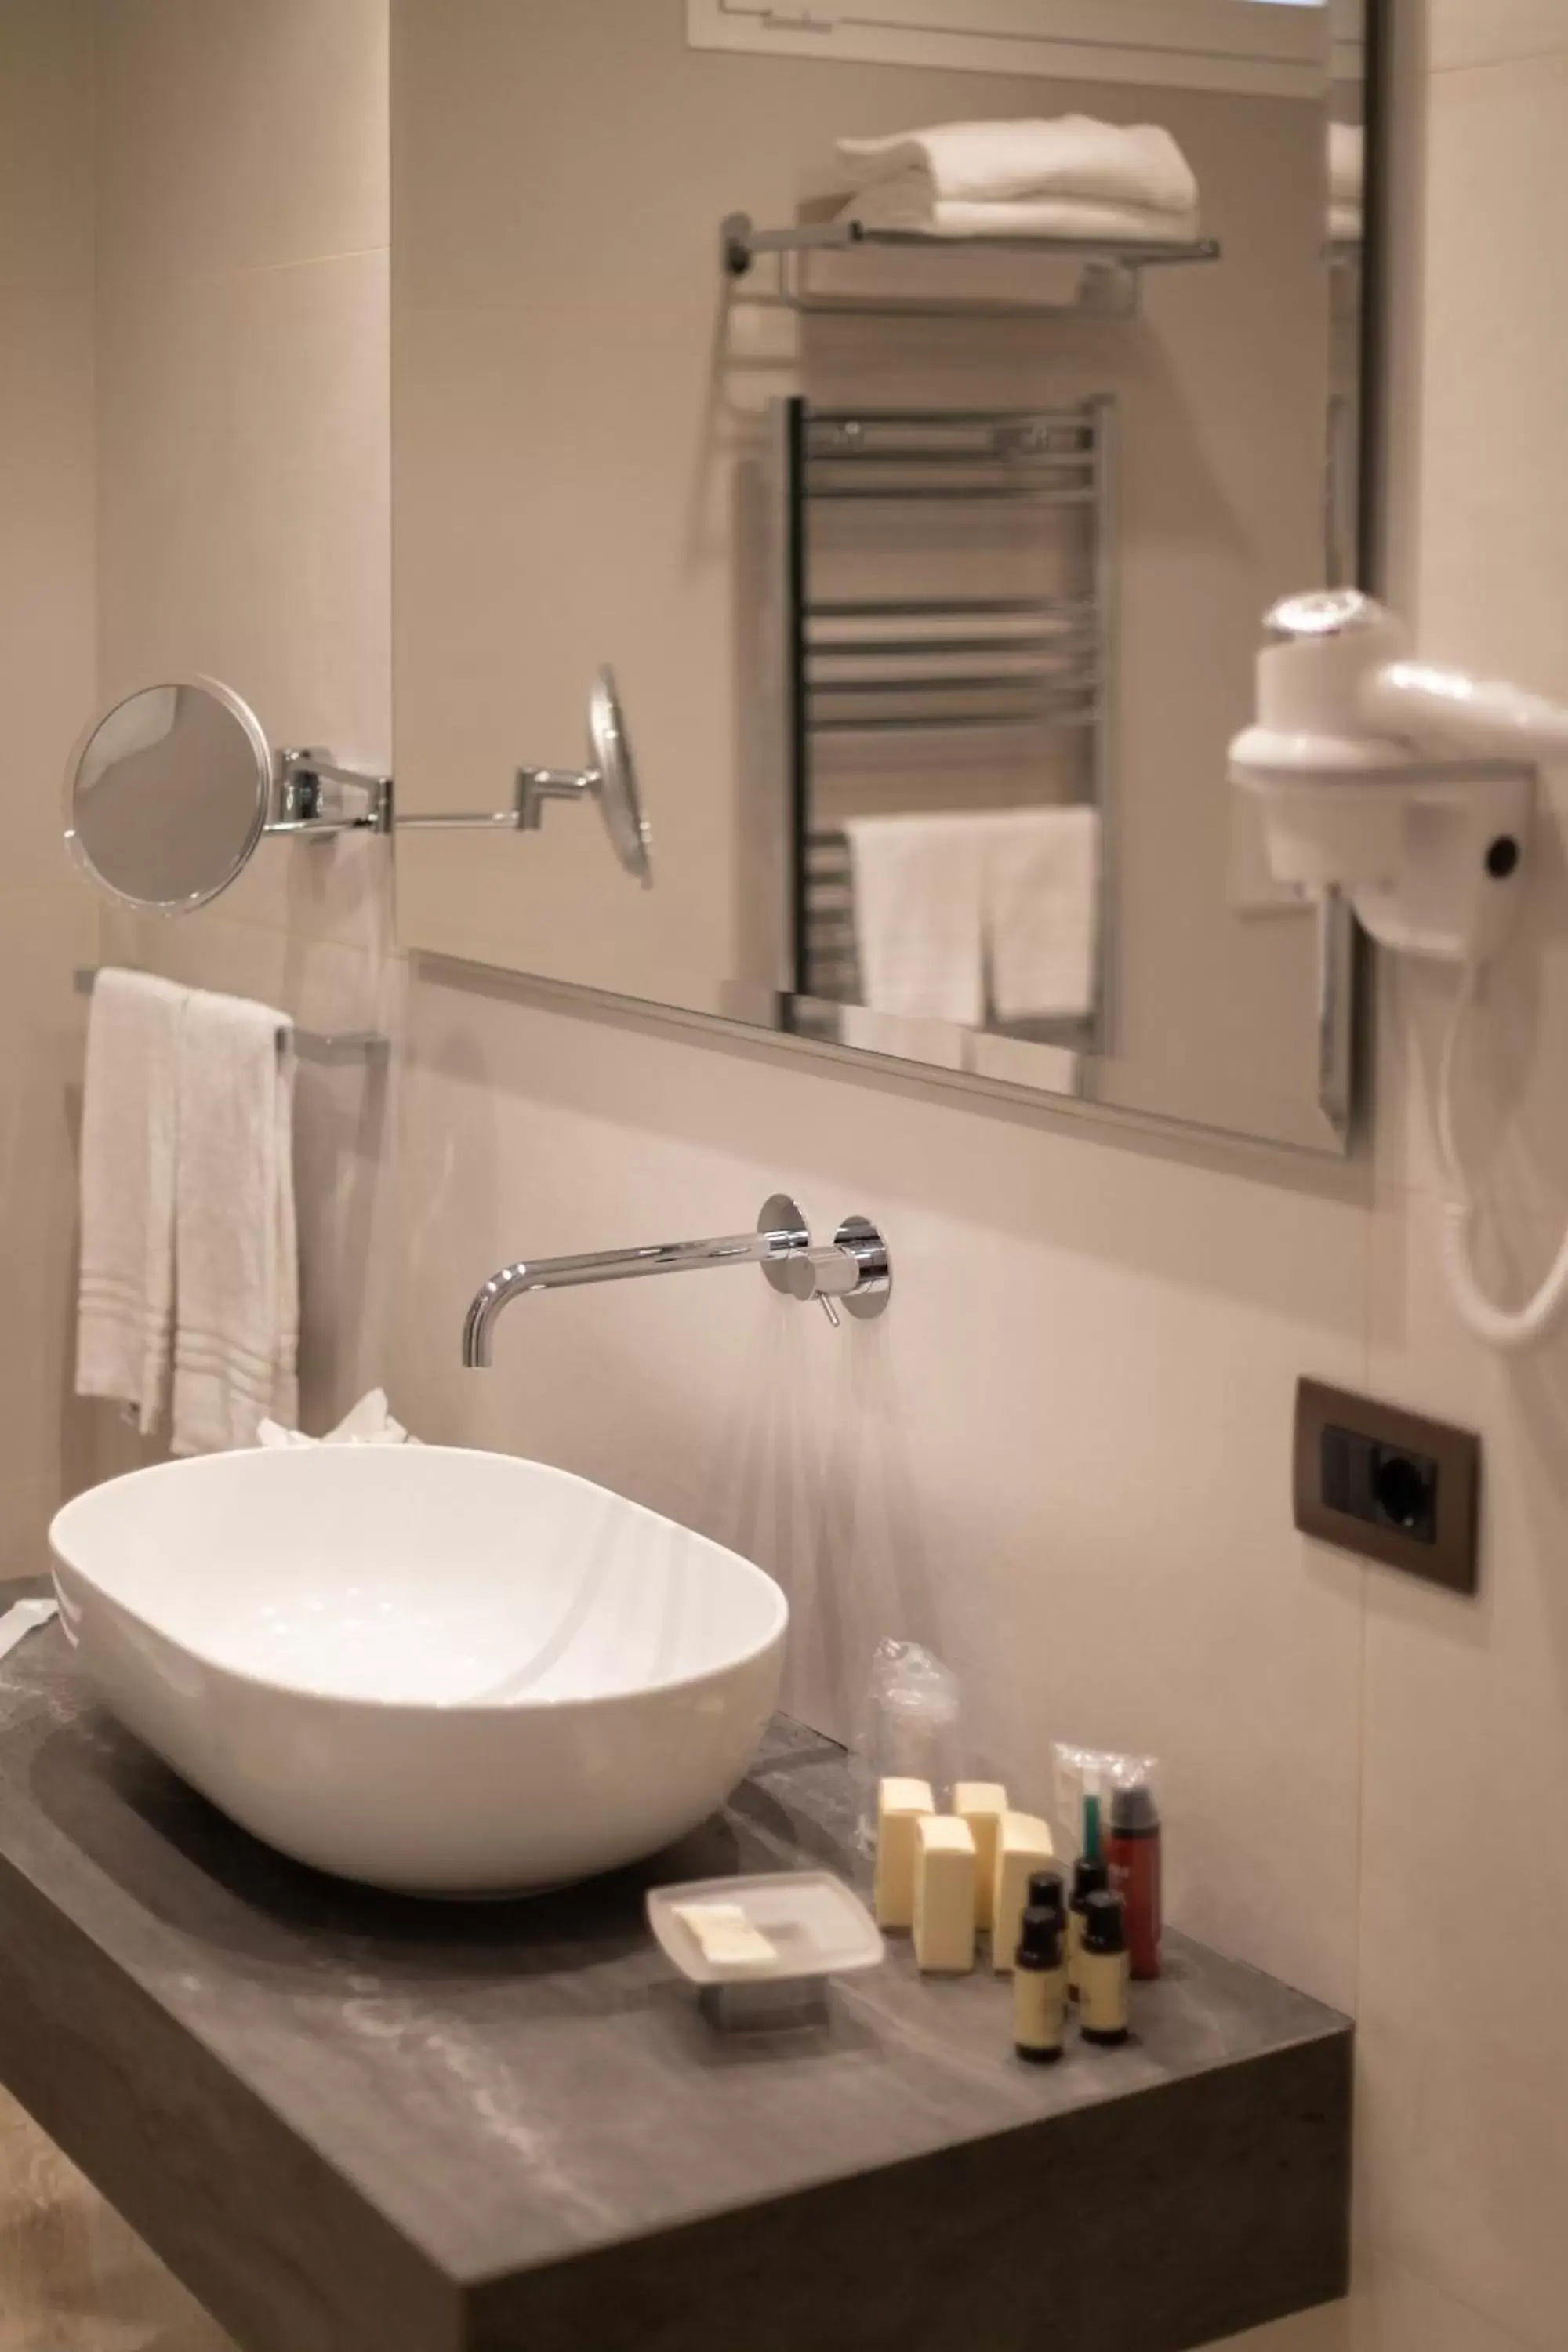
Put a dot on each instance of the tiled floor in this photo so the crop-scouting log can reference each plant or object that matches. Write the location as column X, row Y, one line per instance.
column 73, row 2276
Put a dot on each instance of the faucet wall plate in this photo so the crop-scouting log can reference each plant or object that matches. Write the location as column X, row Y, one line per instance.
column 864, row 1241
column 780, row 1215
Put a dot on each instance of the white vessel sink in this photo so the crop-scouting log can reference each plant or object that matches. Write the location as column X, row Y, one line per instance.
column 442, row 1671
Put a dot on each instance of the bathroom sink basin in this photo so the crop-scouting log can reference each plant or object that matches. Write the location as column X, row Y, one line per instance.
column 438, row 1671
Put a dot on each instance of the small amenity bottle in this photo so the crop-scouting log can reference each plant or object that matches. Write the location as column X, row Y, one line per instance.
column 1102, row 1970
column 1039, row 1989
column 1047, row 1892
column 1087, row 1878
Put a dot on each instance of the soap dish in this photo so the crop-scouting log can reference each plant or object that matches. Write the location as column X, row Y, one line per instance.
column 818, row 1926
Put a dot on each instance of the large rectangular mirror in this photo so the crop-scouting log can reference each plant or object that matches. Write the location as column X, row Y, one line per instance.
column 923, row 495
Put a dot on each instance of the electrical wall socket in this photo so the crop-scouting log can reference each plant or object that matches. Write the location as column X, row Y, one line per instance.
column 1389, row 1484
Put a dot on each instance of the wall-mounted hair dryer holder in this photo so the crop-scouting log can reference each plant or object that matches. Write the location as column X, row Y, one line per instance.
column 1410, row 791
column 1431, row 854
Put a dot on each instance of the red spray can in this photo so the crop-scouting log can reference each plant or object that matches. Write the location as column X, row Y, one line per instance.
column 1132, row 1855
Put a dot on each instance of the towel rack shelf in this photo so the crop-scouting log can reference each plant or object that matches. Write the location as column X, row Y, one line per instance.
column 1110, row 276
column 1058, row 612
column 309, row 1044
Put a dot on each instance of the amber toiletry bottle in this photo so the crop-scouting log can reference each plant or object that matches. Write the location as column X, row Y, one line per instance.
column 1047, row 1892
column 1040, row 1988
column 1088, row 1878
column 1132, row 1855
column 1102, row 1970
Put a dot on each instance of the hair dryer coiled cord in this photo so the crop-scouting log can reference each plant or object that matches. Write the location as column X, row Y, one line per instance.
column 1512, row 1330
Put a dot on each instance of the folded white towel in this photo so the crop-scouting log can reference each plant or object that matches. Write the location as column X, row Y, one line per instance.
column 1347, row 162
column 907, row 203
column 944, row 903
column 918, row 895
column 129, row 1133
column 988, row 162
column 236, row 1336
column 1042, row 911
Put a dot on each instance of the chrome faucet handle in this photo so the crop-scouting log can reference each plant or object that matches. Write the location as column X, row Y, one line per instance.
column 854, row 1267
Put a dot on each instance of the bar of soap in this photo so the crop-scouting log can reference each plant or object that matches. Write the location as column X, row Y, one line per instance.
column 944, row 1894
column 900, row 1806
column 982, row 1804
column 1023, row 1846
column 725, row 1937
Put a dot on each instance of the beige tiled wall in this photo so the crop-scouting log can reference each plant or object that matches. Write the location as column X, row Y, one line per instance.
column 1064, row 1454
column 245, row 522
column 238, row 307
column 1464, row 2075
column 46, row 686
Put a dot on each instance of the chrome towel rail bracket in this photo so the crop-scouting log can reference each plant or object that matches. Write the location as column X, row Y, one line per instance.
column 330, row 1046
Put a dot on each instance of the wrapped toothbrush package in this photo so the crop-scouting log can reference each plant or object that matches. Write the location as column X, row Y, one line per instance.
column 1107, row 1801
column 24, row 1618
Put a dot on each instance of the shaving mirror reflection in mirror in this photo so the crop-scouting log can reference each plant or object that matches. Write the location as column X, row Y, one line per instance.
column 918, row 408
column 167, row 794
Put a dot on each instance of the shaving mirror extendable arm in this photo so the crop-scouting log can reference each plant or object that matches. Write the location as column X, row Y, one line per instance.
column 169, row 792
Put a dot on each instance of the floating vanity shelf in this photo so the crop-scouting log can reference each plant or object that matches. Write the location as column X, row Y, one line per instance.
column 308, row 1045
column 352, row 2120
column 1111, row 268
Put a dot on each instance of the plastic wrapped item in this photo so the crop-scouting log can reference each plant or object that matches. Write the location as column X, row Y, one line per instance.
column 1078, row 1772
column 1105, row 1803
column 371, row 1423
column 24, row 1619
column 909, row 1728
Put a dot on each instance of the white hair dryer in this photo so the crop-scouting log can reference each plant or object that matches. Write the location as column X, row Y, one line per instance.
column 1410, row 790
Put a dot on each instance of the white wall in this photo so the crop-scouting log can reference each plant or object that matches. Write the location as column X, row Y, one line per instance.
column 244, row 523
column 239, row 302
column 1064, row 1454
column 46, row 686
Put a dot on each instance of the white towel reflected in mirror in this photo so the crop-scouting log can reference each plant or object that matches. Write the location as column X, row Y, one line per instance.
column 993, row 914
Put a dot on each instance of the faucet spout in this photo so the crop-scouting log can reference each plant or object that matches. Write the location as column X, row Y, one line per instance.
column 781, row 1234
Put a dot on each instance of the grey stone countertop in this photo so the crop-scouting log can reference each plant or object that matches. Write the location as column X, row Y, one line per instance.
column 354, row 2123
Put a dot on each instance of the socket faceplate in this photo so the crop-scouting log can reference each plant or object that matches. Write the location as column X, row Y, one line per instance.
column 1387, row 1483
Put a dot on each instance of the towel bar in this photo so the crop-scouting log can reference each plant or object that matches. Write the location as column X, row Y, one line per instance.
column 310, row 1045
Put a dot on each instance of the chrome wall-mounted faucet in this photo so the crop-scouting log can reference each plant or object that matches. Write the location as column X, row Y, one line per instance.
column 854, row 1269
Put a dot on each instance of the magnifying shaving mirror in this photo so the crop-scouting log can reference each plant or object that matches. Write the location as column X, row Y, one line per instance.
column 169, row 792
column 611, row 778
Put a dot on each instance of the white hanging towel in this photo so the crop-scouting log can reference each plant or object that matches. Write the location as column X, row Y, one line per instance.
column 1042, row 911
column 128, row 1138
column 1072, row 156
column 238, row 1304
column 918, row 914
column 907, row 203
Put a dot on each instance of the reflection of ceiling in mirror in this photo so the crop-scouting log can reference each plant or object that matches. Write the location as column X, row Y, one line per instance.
column 1289, row 48
column 139, row 724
